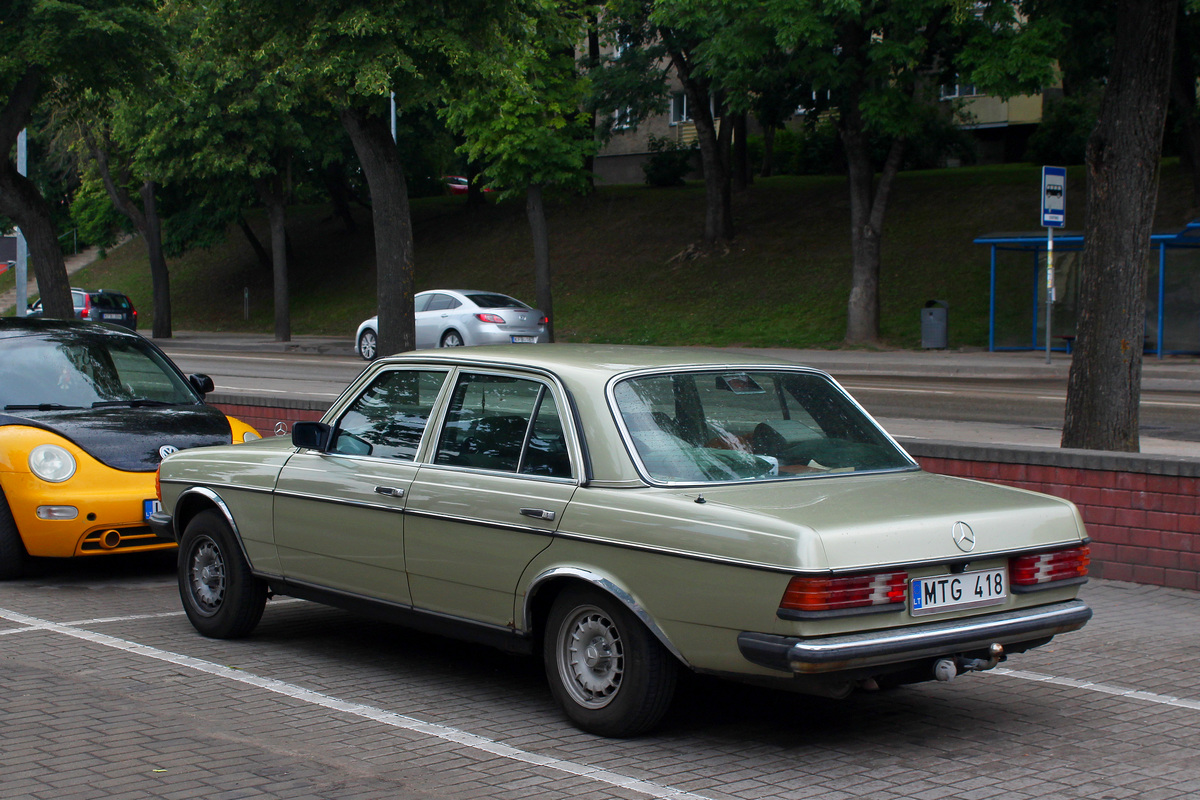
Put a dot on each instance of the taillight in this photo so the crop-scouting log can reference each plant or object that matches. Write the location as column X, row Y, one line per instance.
column 808, row 594
column 1059, row 565
column 496, row 318
column 544, row 321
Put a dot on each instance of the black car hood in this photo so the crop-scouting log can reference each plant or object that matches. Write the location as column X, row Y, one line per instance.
column 130, row 439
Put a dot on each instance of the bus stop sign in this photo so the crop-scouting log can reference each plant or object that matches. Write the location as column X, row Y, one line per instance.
column 1054, row 197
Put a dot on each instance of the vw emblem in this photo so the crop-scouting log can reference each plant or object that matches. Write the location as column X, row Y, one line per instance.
column 280, row 428
column 166, row 450
column 964, row 537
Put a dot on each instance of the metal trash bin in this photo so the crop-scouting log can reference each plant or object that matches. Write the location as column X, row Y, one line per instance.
column 934, row 335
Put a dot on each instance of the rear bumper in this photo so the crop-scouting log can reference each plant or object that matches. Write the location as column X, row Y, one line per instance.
column 1030, row 626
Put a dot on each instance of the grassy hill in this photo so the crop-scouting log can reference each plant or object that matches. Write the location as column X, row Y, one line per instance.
column 623, row 270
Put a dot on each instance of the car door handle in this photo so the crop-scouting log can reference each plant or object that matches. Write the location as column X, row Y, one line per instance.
column 390, row 491
column 538, row 513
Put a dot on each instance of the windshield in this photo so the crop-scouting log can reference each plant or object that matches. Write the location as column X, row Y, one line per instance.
column 701, row 427
column 74, row 370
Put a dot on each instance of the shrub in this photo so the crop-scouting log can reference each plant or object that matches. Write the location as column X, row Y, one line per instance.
column 669, row 163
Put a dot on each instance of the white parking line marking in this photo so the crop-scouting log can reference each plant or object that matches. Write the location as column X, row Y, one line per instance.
column 1103, row 688
column 389, row 718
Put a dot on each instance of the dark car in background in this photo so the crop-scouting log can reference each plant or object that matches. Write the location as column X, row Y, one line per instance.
column 98, row 305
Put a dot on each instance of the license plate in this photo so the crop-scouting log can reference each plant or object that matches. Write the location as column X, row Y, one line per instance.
column 940, row 593
column 524, row 340
column 111, row 316
column 149, row 507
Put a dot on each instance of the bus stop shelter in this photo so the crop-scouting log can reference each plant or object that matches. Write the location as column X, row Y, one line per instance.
column 1017, row 299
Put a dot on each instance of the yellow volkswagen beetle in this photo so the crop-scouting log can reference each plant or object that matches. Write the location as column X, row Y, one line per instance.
column 87, row 411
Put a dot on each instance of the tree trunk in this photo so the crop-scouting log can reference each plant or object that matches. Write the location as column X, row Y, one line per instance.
column 740, row 172
column 535, row 209
column 1104, row 385
column 274, row 197
column 160, row 278
column 868, row 203
column 714, row 153
column 768, row 162
column 21, row 202
column 1183, row 99
column 145, row 218
column 260, row 252
column 372, row 140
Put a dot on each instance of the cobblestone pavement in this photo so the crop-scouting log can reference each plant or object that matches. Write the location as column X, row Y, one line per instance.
column 107, row 692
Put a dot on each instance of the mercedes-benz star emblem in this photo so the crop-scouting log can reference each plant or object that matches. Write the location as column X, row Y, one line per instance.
column 166, row 450
column 964, row 537
column 280, row 428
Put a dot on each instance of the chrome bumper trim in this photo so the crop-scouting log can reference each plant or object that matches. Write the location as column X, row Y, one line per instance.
column 914, row 642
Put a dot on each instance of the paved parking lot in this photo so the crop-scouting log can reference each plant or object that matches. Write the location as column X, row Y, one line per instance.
column 107, row 692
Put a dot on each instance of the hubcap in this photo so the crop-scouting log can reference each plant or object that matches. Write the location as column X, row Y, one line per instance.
column 206, row 574
column 591, row 657
column 367, row 346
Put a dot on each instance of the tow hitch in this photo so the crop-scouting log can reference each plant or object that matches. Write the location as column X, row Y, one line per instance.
column 946, row 669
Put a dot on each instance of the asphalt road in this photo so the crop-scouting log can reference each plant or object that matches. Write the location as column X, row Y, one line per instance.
column 1169, row 409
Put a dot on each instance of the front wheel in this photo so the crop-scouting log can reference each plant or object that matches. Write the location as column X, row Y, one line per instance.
column 452, row 339
column 12, row 549
column 221, row 597
column 607, row 671
column 368, row 345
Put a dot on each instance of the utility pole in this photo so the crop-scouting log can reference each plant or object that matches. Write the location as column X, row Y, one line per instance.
column 22, row 266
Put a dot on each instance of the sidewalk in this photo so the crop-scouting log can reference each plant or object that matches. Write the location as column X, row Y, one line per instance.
column 8, row 300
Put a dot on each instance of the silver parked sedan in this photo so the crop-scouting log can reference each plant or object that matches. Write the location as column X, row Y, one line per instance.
column 458, row 317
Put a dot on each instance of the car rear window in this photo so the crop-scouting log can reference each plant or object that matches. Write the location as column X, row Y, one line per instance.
column 718, row 426
column 495, row 301
column 110, row 301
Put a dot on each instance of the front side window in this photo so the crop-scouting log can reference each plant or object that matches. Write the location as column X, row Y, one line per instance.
column 388, row 419
column 700, row 427
column 499, row 422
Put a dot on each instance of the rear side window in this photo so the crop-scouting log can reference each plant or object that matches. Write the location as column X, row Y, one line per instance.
column 503, row 423
column 388, row 419
column 442, row 302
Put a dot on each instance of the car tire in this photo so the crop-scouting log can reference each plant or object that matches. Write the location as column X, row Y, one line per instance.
column 368, row 345
column 451, row 338
column 221, row 596
column 609, row 674
column 12, row 549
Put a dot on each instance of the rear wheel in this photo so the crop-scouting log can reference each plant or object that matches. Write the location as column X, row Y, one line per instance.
column 221, row 597
column 451, row 338
column 368, row 345
column 12, row 549
column 606, row 670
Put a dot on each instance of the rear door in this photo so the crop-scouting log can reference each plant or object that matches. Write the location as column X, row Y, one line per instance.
column 436, row 317
column 501, row 476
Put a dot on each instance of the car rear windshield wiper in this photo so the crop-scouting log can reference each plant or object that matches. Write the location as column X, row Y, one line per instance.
column 41, row 407
column 137, row 402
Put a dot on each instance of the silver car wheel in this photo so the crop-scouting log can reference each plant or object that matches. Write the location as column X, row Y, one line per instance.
column 368, row 345
column 591, row 657
column 451, row 339
column 206, row 576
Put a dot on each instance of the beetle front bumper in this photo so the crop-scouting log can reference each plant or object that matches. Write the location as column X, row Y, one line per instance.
column 1028, row 626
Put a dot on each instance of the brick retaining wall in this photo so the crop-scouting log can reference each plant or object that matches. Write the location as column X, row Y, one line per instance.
column 1142, row 511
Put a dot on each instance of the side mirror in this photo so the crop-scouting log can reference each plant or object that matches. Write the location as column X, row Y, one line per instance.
column 310, row 435
column 201, row 383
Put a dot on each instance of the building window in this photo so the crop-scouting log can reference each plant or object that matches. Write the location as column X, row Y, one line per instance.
column 622, row 119
column 954, row 91
column 679, row 109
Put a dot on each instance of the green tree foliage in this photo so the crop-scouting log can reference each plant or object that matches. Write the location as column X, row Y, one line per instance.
column 65, row 47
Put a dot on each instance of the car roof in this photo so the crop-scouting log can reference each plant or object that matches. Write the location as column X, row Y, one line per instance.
column 16, row 327
column 590, row 363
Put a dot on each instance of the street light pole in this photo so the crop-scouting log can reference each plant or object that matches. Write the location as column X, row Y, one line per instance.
column 22, row 266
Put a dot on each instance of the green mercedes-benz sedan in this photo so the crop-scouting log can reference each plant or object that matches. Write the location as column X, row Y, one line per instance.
column 627, row 512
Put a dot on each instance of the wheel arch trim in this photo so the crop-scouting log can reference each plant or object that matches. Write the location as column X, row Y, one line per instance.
column 204, row 498
column 605, row 584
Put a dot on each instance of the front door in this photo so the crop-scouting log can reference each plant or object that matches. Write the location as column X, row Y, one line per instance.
column 339, row 514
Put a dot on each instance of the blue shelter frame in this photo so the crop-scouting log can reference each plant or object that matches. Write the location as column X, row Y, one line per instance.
column 1035, row 243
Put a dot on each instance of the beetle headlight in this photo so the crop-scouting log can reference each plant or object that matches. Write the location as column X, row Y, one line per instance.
column 51, row 463
column 250, row 436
